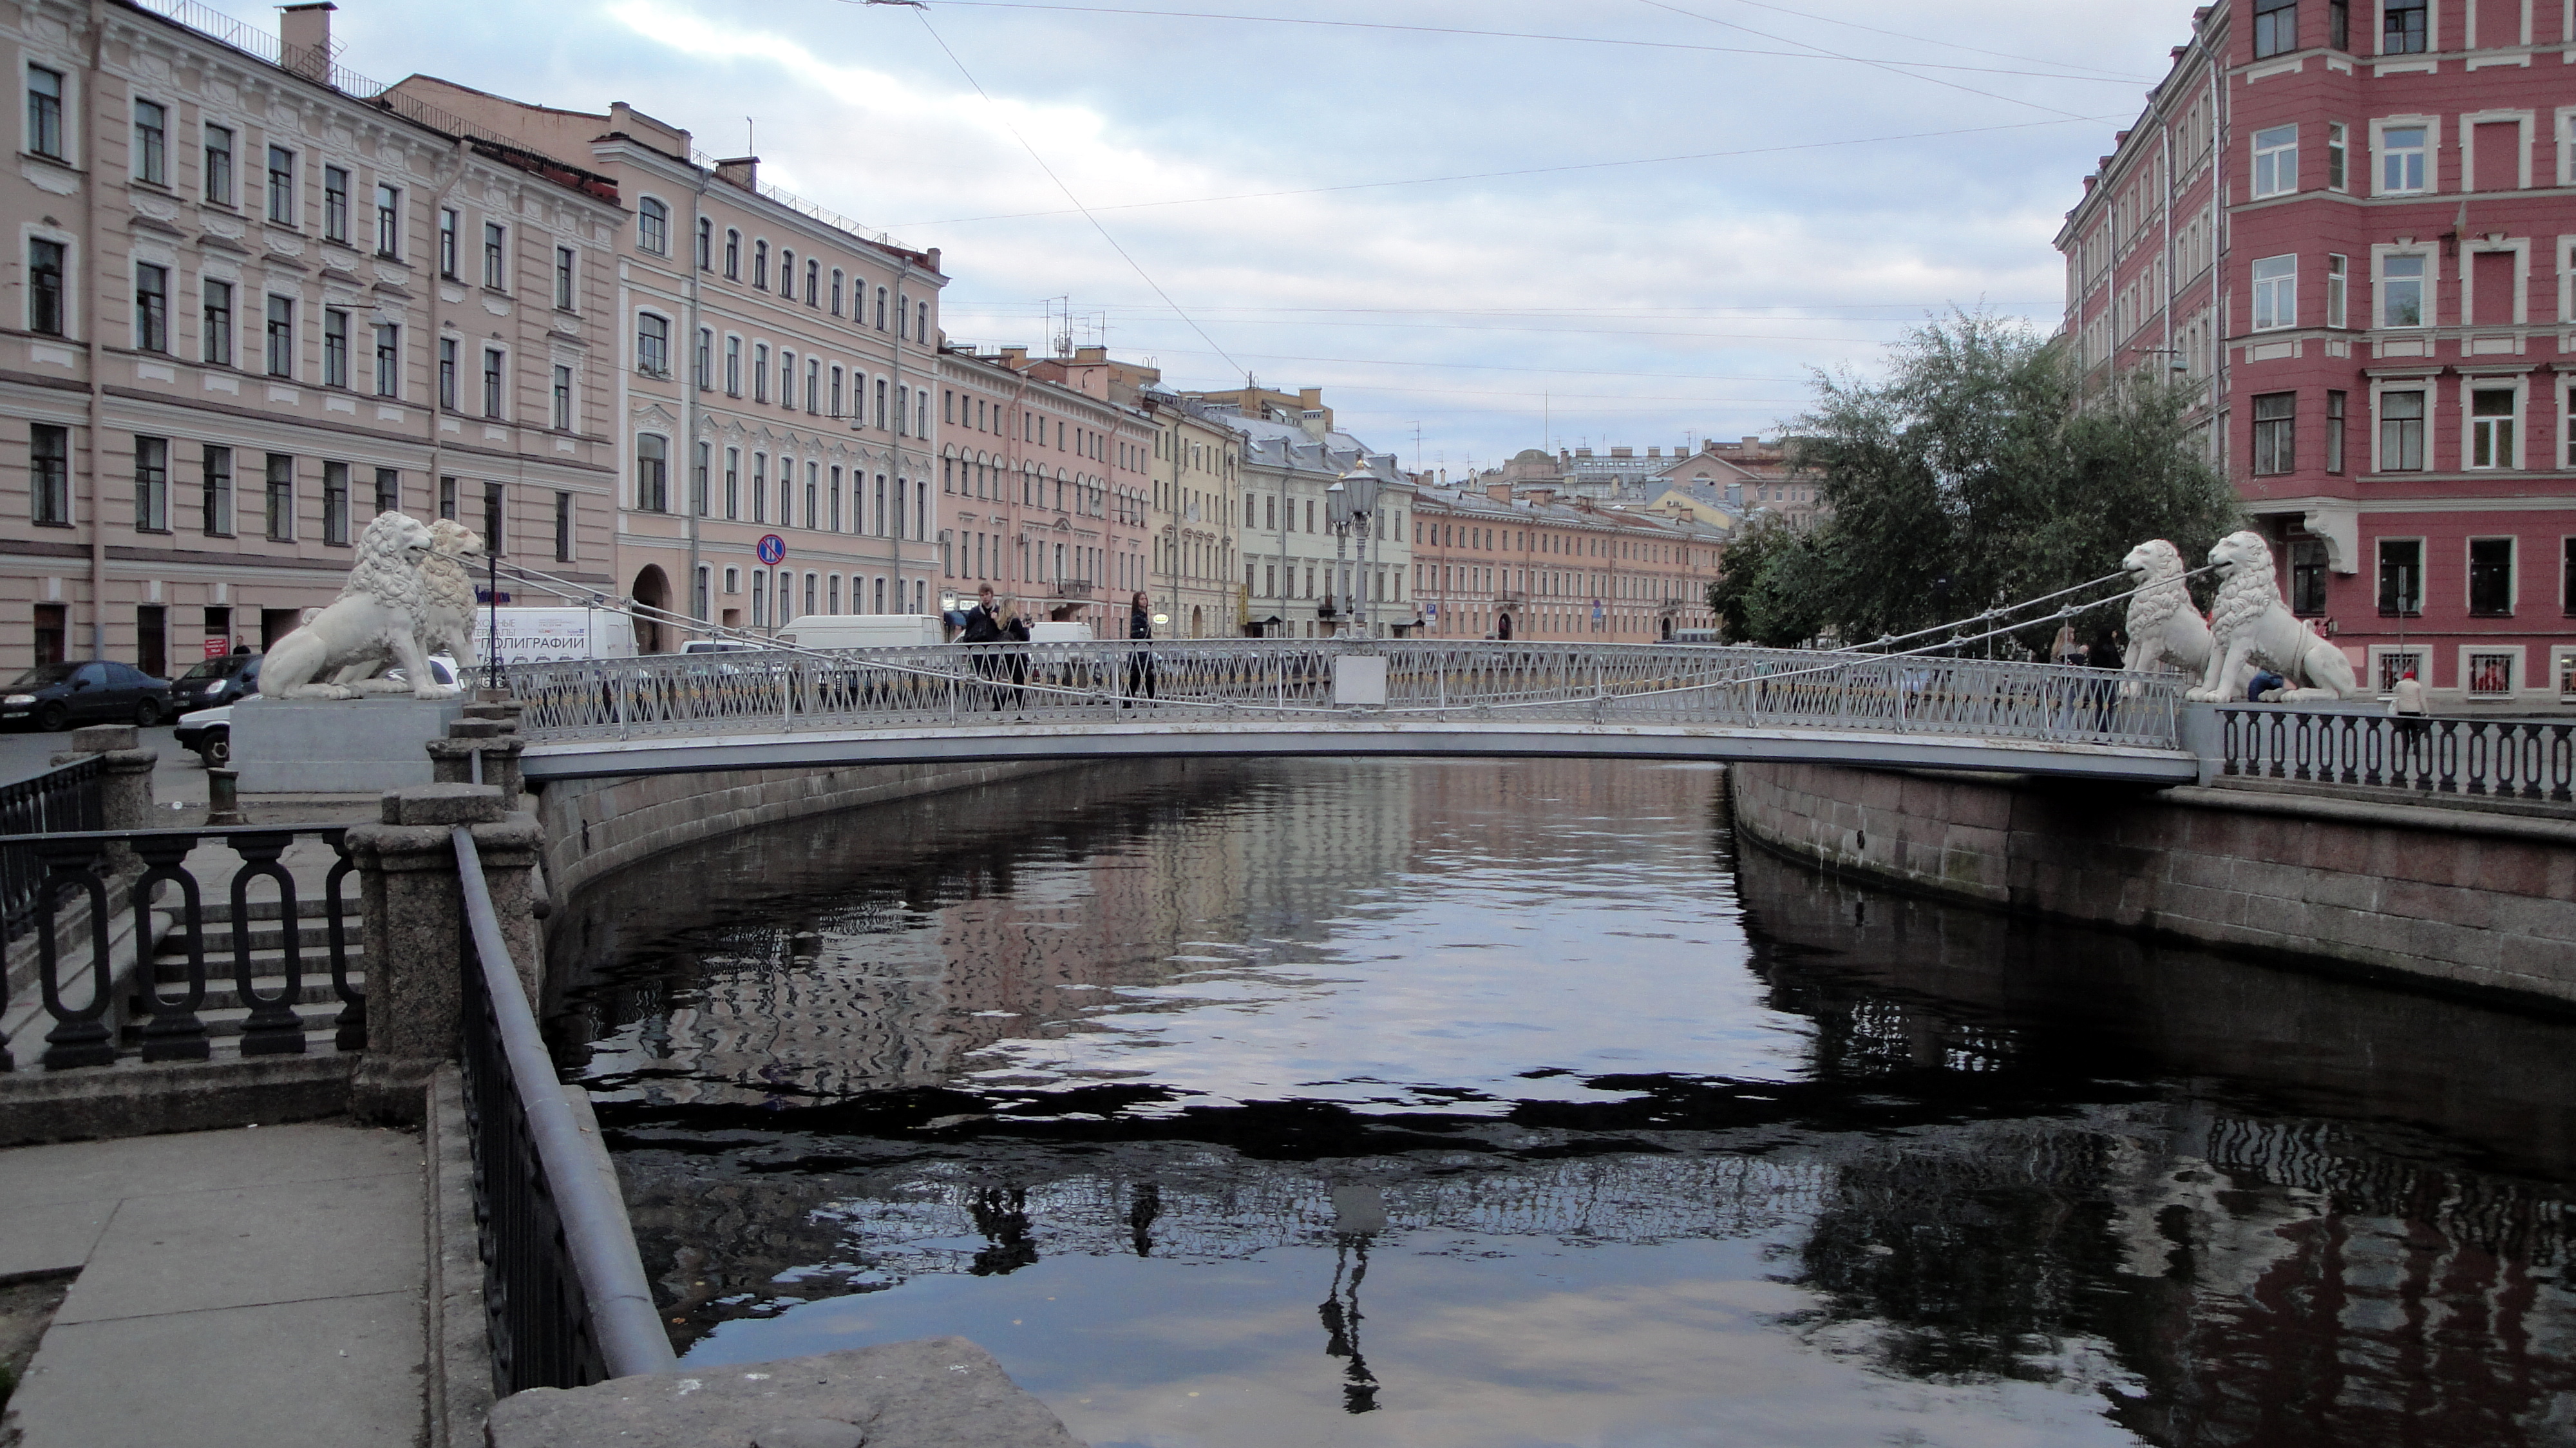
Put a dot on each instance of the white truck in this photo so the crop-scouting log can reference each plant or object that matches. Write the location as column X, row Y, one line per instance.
column 551, row 635
column 861, row 630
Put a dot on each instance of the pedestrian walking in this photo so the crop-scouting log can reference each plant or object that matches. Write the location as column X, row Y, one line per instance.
column 994, row 621
column 2406, row 706
column 1140, row 664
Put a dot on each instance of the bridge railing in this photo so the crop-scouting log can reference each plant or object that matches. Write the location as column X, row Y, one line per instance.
column 72, row 797
column 2525, row 759
column 1243, row 680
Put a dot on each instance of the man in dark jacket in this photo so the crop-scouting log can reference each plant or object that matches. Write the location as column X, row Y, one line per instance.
column 1140, row 664
column 988, row 623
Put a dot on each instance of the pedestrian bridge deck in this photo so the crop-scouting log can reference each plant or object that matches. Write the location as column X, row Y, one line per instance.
column 763, row 709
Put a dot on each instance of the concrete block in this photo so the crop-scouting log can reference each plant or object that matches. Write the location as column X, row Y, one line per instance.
column 942, row 1392
column 444, row 804
column 337, row 746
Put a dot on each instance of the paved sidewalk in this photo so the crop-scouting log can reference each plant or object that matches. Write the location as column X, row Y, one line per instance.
column 259, row 1287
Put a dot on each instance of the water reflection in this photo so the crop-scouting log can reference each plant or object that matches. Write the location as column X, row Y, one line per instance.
column 1136, row 1076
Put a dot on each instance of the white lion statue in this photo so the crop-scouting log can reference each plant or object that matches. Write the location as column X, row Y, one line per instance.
column 375, row 621
column 2253, row 629
column 446, row 607
column 2166, row 633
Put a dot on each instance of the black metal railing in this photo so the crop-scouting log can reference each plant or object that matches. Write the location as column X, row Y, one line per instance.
column 85, row 880
column 563, row 1290
column 70, row 798
column 2519, row 759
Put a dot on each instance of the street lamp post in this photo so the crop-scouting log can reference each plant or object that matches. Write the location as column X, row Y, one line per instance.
column 1337, row 516
column 1359, row 488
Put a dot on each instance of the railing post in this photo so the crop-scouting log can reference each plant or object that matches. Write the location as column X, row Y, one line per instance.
column 125, row 795
column 413, row 930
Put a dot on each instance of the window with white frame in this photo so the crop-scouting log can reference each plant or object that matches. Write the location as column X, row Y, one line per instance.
column 2403, row 153
column 152, row 142
column 218, row 178
column 45, row 112
column 2276, row 292
column 653, row 345
column 2492, row 411
column 2567, row 425
column 2276, row 422
column 2338, row 177
column 653, row 226
column 2337, row 268
column 563, row 398
column 2276, row 161
column 2401, row 431
column 2403, row 27
column 2491, row 591
column 2402, row 276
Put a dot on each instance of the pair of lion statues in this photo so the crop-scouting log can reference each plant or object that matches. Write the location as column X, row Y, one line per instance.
column 410, row 595
column 2248, row 631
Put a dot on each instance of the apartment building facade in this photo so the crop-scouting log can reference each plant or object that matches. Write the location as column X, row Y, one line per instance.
column 1306, row 573
column 1042, row 491
column 774, row 370
column 250, row 311
column 1193, row 516
column 1490, row 563
column 2354, row 225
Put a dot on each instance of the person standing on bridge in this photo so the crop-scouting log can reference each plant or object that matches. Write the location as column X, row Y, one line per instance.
column 1140, row 664
column 991, row 622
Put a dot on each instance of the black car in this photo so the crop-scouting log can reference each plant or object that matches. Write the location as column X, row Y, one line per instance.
column 101, row 691
column 226, row 679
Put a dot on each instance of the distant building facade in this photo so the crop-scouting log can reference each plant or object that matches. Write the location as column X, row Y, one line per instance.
column 2350, row 227
column 1492, row 564
column 1303, row 576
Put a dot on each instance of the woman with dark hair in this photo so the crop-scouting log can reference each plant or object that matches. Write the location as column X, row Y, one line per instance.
column 1140, row 664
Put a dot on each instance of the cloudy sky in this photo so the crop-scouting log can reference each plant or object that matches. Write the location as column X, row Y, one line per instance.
column 1494, row 223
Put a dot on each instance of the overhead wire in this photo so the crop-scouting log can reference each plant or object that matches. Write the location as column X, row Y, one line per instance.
column 1859, row 60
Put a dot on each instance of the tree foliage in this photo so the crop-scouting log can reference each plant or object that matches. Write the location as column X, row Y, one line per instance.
column 1978, row 473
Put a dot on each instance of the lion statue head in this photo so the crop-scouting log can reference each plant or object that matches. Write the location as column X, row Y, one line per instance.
column 453, row 540
column 2156, row 566
column 2246, row 587
column 390, row 550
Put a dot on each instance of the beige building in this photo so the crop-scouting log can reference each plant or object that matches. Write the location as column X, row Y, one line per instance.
column 1194, row 520
column 249, row 310
column 1303, row 576
column 773, row 371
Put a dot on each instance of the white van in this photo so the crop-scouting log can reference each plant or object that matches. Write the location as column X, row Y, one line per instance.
column 861, row 630
column 1052, row 632
column 550, row 635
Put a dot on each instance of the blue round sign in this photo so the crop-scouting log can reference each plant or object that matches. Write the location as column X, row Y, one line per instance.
column 773, row 549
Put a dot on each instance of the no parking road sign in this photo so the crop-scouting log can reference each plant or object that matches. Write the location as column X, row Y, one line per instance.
column 773, row 549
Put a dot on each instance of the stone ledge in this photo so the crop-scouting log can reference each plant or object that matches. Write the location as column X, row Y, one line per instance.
column 133, row 1099
column 940, row 1392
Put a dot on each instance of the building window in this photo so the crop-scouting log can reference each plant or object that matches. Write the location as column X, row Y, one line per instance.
column 698, row 469
column 2334, row 431
column 215, row 491
column 2402, row 30
column 733, row 255
column 2307, row 577
column 652, row 473
column 45, row 287
column 151, row 308
column 702, row 361
column 2276, row 432
column 2339, row 24
column 813, row 286
column 760, row 372
column 493, row 366
column 706, row 243
column 2401, row 432
column 496, row 245
column 2276, row 292
column 281, row 336
column 335, row 205
column 335, row 503
column 2337, row 269
column 813, row 385
column 388, row 490
column 447, row 499
column 388, row 360
column 45, row 112
column 881, row 306
column 447, row 229
column 447, row 373
column 2401, row 291
column 151, row 143
column 787, row 274
column 2276, row 27
column 653, row 226
column 335, row 347
column 219, row 165
column 281, row 498
column 2567, row 578
column 563, row 527
column 921, row 321
column 49, row 485
column 563, row 398
column 787, row 380
column 760, row 265
column 836, row 291
column 493, row 515
column 2337, row 147
column 733, row 482
column 151, row 485
column 2401, row 157
column 733, row 366
column 389, row 222
column 2276, row 161
column 653, row 345
column 2491, row 577
column 563, row 279
column 281, row 185
column 2491, row 417
column 760, row 487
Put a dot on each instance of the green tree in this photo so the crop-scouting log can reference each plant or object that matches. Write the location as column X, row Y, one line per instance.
column 1977, row 473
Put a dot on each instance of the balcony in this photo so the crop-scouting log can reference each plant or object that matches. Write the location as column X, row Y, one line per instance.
column 1072, row 589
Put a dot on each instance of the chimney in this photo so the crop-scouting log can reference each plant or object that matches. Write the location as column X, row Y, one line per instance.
column 304, row 38
column 1753, row 442
column 625, row 120
column 742, row 171
column 1316, row 421
column 1499, row 492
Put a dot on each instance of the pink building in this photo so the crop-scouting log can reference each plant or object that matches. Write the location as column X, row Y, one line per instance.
column 2350, row 222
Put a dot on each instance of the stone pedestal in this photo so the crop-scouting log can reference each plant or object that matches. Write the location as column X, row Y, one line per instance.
column 337, row 746
column 415, row 919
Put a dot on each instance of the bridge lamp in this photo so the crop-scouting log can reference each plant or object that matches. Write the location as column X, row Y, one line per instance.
column 1362, row 486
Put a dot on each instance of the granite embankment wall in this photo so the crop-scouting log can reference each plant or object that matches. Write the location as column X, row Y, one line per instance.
column 595, row 826
column 2466, row 899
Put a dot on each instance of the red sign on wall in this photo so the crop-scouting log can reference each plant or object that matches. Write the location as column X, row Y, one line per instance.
column 217, row 646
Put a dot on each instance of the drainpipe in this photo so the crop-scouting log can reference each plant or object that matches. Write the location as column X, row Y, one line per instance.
column 95, row 322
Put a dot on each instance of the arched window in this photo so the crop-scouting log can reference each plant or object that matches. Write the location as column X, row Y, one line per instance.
column 706, row 243
column 653, row 226
column 881, row 304
column 653, row 345
column 760, row 265
column 813, row 284
column 652, row 473
column 836, row 291
column 733, row 255
column 787, row 274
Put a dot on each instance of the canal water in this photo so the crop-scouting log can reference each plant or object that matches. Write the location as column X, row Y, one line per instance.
column 1505, row 1103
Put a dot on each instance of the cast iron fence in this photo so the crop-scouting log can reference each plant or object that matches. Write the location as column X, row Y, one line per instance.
column 944, row 685
column 2525, row 759
column 84, row 879
column 72, row 797
column 563, row 1291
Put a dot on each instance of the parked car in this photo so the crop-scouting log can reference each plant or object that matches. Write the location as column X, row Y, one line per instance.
column 208, row 733
column 220, row 680
column 100, row 691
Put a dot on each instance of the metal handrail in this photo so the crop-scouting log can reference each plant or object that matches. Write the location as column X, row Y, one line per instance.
column 615, row 1300
column 2510, row 759
column 73, row 797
